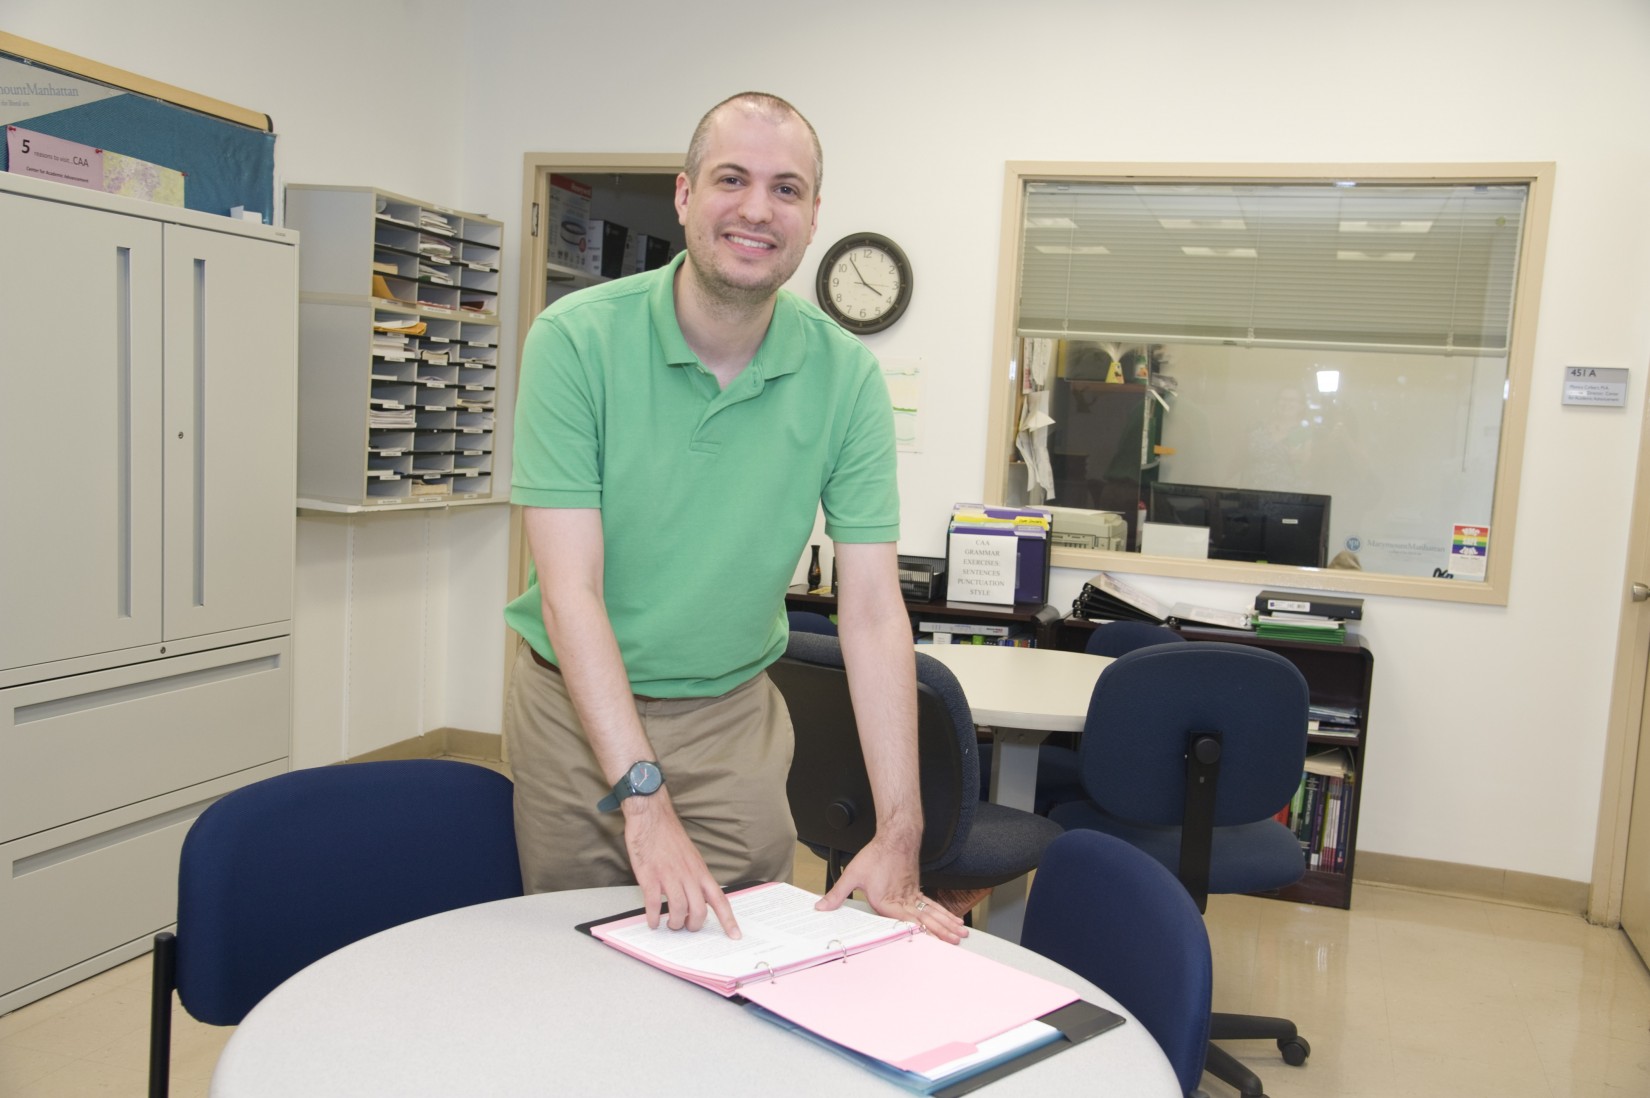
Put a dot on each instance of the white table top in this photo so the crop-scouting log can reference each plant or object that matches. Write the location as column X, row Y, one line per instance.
column 1040, row 688
column 507, row 998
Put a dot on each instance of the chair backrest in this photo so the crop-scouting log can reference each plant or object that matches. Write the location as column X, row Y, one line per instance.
column 806, row 621
column 1113, row 915
column 1148, row 703
column 1117, row 638
column 284, row 871
column 830, row 792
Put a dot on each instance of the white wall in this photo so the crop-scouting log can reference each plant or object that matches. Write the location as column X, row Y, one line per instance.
column 1488, row 723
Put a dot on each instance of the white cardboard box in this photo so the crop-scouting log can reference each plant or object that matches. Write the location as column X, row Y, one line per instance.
column 569, row 225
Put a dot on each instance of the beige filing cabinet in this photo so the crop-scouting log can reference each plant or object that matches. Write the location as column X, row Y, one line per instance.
column 146, row 557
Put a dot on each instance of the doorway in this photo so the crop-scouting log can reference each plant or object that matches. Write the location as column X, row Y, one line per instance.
column 632, row 189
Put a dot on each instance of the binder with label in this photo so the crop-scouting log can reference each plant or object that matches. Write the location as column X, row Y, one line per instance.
column 842, row 978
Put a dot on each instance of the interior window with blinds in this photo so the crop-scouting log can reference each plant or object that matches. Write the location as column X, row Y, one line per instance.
column 1305, row 374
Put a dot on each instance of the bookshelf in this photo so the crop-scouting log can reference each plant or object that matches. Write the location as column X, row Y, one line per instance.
column 398, row 350
column 1337, row 675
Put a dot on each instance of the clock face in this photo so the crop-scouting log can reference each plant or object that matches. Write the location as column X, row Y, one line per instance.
column 864, row 282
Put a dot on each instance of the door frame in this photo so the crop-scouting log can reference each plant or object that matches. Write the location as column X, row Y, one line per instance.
column 536, row 169
column 1627, row 706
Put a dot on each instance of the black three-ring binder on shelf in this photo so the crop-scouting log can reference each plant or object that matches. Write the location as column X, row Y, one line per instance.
column 981, row 1020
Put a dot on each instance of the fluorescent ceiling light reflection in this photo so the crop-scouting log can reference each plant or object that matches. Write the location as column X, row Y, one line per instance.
column 1073, row 249
column 1223, row 223
column 1376, row 257
column 1050, row 223
column 1386, row 226
column 1329, row 381
column 1221, row 253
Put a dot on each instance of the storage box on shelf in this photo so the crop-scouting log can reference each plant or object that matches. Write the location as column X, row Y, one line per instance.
column 1339, row 677
column 398, row 350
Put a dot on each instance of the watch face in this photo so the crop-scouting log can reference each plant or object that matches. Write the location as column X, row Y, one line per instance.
column 646, row 778
column 864, row 282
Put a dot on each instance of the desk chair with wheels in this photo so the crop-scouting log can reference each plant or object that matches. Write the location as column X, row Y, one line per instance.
column 1188, row 752
column 966, row 844
column 1058, row 780
column 1110, row 913
column 282, row 872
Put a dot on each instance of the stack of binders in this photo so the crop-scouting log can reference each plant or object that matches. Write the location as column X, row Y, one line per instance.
column 1314, row 617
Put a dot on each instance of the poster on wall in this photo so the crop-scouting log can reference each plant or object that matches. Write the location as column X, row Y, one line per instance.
column 228, row 158
column 904, row 379
column 1469, row 552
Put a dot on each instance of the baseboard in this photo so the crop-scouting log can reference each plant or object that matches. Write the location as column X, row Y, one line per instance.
column 456, row 742
column 1478, row 882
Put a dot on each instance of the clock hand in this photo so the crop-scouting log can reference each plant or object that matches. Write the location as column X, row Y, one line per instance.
column 862, row 281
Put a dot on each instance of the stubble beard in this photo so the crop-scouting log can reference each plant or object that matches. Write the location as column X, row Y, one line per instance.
column 718, row 288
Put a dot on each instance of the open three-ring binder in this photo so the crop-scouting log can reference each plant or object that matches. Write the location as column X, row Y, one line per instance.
column 934, row 1018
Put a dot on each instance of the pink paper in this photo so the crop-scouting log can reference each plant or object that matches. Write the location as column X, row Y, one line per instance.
column 913, row 1004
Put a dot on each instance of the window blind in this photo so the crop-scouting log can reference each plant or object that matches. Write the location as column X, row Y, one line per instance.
column 1405, row 267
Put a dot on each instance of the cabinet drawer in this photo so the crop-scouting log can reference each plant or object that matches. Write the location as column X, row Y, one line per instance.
column 78, row 746
column 76, row 891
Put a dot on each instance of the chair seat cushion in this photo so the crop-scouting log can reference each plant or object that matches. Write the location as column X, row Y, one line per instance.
column 1003, row 843
column 1252, row 857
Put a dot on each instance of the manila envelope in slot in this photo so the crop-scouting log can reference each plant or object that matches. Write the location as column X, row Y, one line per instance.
column 914, row 1004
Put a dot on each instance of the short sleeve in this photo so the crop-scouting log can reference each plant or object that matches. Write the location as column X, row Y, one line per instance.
column 558, row 436
column 861, row 496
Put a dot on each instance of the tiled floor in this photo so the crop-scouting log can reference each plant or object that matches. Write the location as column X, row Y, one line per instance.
column 1406, row 994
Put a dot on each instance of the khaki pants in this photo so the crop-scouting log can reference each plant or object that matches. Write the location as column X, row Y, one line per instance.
column 725, row 762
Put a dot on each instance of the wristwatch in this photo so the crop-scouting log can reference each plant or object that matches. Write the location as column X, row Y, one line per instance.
column 643, row 778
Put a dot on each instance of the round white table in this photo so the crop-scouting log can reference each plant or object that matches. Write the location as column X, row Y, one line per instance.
column 507, row 999
column 1021, row 694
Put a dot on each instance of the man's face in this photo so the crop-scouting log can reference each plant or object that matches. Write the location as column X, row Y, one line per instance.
column 752, row 212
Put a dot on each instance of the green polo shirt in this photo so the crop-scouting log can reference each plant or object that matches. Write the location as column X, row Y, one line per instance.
column 708, row 495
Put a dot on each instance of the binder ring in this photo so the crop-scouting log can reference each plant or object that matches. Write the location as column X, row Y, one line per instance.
column 838, row 943
column 766, row 965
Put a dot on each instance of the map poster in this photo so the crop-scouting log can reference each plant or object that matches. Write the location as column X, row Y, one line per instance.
column 61, row 161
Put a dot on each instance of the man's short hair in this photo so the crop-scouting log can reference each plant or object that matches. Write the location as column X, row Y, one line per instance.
column 773, row 107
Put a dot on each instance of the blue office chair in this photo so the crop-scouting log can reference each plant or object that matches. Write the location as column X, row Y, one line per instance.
column 965, row 844
column 806, row 621
column 1188, row 752
column 1058, row 779
column 282, row 872
column 1119, row 638
column 1117, row 918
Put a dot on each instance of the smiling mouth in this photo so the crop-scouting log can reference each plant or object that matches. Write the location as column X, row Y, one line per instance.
column 750, row 242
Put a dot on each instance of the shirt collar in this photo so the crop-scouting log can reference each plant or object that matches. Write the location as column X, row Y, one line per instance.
column 785, row 330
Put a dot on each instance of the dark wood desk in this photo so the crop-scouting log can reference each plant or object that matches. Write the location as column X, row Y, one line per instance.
column 1040, row 618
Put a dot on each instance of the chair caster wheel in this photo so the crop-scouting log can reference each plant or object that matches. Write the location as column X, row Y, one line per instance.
column 1295, row 1051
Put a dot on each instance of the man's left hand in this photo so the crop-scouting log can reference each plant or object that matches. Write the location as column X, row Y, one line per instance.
column 888, row 877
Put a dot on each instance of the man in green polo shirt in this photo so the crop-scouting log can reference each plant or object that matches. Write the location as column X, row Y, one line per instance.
column 676, row 434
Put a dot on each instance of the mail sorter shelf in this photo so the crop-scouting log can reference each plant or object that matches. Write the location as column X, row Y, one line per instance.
column 1338, row 676
column 398, row 350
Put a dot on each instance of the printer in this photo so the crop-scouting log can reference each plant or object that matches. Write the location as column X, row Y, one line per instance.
column 1075, row 528
column 922, row 579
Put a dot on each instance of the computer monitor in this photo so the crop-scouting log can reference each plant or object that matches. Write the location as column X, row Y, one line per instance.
column 1248, row 524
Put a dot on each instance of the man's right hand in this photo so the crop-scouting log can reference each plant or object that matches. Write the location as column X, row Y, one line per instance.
column 670, row 868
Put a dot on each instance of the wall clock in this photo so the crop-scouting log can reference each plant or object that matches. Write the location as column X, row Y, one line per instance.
column 864, row 282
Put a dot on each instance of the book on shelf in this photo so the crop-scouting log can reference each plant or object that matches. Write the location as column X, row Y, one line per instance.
column 844, row 979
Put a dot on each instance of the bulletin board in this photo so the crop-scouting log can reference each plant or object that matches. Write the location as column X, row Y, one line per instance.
column 227, row 153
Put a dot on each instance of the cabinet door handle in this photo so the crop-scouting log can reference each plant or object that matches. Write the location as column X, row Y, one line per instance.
column 198, row 420
column 1641, row 592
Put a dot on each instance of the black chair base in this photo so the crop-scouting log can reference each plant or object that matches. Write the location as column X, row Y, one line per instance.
column 1251, row 1027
